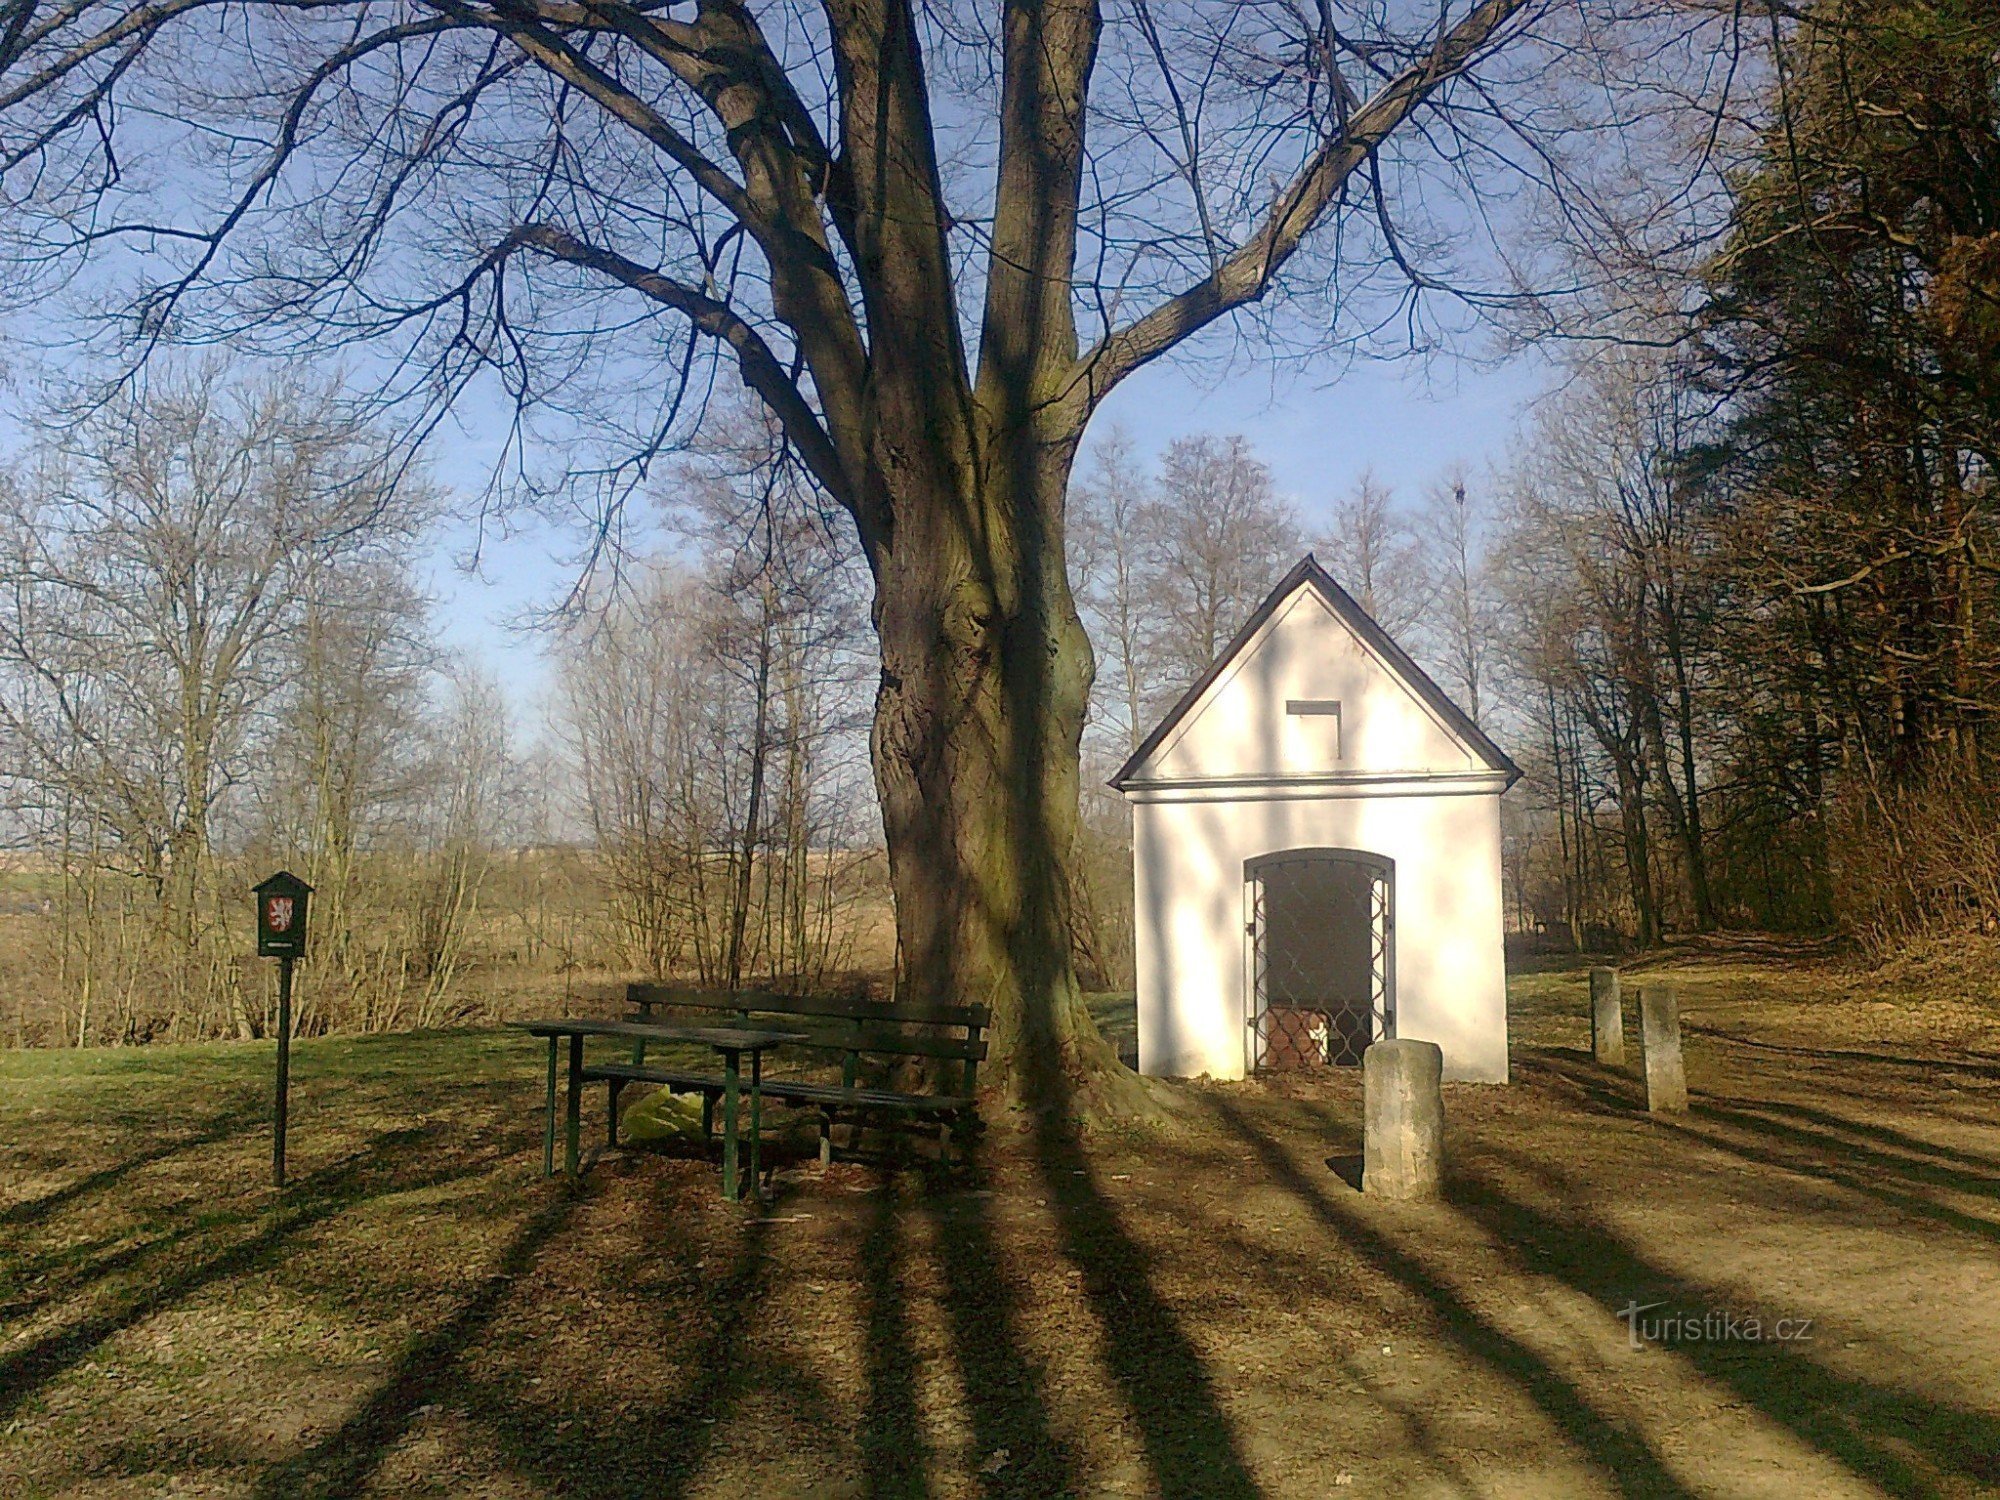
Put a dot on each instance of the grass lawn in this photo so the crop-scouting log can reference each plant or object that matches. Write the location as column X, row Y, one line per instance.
column 1216, row 1313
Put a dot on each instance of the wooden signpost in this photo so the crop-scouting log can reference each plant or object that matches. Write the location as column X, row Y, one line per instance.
column 281, row 934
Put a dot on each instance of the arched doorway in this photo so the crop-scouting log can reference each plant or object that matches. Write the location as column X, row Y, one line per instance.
column 1322, row 930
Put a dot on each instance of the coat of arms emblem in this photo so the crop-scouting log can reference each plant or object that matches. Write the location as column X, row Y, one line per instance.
column 279, row 914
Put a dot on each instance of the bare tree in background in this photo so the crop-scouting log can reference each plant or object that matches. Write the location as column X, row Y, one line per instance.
column 1113, row 518
column 1461, row 616
column 157, row 566
column 785, row 625
column 631, row 679
column 469, row 775
column 1611, row 602
column 577, row 200
column 344, row 778
column 717, row 717
column 1220, row 537
column 1372, row 553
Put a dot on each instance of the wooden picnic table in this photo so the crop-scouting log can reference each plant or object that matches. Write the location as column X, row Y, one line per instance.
column 731, row 1041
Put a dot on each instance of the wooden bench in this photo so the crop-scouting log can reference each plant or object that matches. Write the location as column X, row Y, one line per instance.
column 853, row 1030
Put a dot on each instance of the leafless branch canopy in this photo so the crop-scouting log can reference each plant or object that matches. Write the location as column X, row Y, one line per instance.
column 573, row 200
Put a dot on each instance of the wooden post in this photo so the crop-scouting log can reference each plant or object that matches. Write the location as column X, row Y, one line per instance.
column 281, row 934
column 1607, row 1019
column 280, row 1113
column 1660, row 1048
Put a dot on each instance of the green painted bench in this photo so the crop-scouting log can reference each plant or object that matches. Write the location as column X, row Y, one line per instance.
column 951, row 1037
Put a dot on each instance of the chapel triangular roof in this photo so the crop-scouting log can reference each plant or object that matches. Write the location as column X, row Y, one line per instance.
column 1308, row 573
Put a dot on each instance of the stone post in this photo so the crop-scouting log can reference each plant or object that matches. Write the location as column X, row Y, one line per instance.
column 1660, row 1045
column 1607, row 1019
column 1402, row 1148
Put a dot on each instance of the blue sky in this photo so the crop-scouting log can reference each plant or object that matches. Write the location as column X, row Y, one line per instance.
column 1408, row 420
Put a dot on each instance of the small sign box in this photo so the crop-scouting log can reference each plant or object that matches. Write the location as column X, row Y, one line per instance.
column 281, row 916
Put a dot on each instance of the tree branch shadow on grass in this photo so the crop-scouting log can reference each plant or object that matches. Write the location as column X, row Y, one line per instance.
column 1292, row 1272
column 211, row 1132
column 1870, row 1429
column 320, row 1196
column 653, row 1450
column 94, row 1262
column 1858, row 1164
column 96, row 1266
column 1623, row 1457
column 340, row 1462
column 895, row 1457
column 1975, row 1064
column 1912, row 1146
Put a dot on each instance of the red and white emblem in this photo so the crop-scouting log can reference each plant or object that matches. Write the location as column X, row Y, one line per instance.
column 278, row 914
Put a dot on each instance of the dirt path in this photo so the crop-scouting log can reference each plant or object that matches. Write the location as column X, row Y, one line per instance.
column 1220, row 1315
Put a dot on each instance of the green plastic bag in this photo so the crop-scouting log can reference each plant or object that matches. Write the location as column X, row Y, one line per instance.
column 664, row 1116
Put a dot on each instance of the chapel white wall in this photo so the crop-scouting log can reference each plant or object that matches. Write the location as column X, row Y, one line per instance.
column 1193, row 950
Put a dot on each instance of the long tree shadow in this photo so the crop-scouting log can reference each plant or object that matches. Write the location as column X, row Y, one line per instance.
column 1304, row 1271
column 1622, row 1456
column 340, row 1462
column 1794, row 1149
column 895, row 1458
column 364, row 1173
column 655, row 1449
column 1573, row 1072
column 1006, row 1391
column 211, row 1132
column 1807, row 1152
column 1922, row 1157
column 69, row 1268
column 1976, row 1064
column 1889, row 1437
column 1191, row 1446
column 93, row 1264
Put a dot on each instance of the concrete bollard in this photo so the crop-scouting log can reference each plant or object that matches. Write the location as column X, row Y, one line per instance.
column 1660, row 1046
column 1402, row 1146
column 1607, row 1019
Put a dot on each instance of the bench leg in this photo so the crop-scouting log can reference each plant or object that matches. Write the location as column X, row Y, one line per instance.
column 825, row 1141
column 756, row 1123
column 731, row 1074
column 707, row 1115
column 549, row 1121
column 574, row 1118
column 613, row 1087
column 944, row 1144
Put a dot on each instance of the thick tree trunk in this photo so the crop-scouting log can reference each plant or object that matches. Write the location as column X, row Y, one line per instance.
column 986, row 674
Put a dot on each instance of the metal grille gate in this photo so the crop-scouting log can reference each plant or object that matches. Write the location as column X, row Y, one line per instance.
column 1322, row 956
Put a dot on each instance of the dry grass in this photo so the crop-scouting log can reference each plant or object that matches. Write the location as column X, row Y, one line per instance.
column 543, row 934
column 422, row 1315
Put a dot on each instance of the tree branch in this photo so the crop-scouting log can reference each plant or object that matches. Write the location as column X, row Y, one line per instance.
column 759, row 366
column 1029, row 329
column 1246, row 274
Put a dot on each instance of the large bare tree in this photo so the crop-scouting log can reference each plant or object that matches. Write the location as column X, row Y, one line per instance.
column 931, row 239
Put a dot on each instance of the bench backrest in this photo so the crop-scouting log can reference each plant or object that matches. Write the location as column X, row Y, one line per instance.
column 850, row 1027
